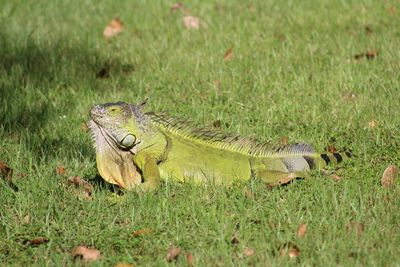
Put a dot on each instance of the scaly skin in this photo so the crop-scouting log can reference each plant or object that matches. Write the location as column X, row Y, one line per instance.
column 135, row 150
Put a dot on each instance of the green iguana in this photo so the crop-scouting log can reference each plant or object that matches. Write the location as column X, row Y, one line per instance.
column 135, row 150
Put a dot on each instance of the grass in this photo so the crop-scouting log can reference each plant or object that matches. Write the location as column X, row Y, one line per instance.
column 292, row 71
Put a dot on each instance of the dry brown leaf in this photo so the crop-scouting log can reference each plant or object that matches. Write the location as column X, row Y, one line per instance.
column 290, row 250
column 190, row 259
column 6, row 172
column 349, row 96
column 331, row 149
column 229, row 54
column 191, row 22
column 113, row 28
column 124, row 264
column 389, row 176
column 85, row 253
column 177, row 6
column 356, row 226
column 293, row 252
column 286, row 179
column 301, row 230
column 37, row 241
column 335, row 177
column 284, row 140
column 372, row 124
column 79, row 182
column 371, row 54
column 368, row 55
column 247, row 252
column 60, row 170
column 392, row 10
column 173, row 253
column 332, row 175
column 143, row 231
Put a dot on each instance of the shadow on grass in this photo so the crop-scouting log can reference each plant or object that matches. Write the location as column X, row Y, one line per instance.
column 99, row 182
column 34, row 73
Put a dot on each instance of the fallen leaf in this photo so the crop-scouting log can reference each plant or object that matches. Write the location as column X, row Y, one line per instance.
column 6, row 172
column 335, row 177
column 113, row 28
column 392, row 10
column 123, row 264
column 284, row 140
column 286, row 179
column 290, row 250
column 368, row 55
column 356, row 226
column 371, row 54
column 191, row 22
column 60, row 170
column 331, row 175
column 84, row 127
column 173, row 253
column 350, row 96
column 228, row 54
column 301, row 230
column 37, row 241
column 85, row 253
column 79, row 182
column 143, row 231
column 293, row 252
column 389, row 176
column 189, row 258
column 247, row 252
column 177, row 6
column 331, row 149
column 372, row 124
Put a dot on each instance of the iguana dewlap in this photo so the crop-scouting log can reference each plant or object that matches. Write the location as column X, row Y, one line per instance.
column 135, row 150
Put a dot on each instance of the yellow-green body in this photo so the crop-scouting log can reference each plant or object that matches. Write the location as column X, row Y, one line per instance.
column 143, row 148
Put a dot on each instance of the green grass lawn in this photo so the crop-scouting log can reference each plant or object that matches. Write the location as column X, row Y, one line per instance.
column 293, row 74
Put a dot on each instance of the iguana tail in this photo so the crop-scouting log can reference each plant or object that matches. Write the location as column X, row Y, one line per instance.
column 320, row 161
column 294, row 161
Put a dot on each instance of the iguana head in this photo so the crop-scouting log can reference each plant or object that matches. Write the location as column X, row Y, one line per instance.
column 115, row 128
column 119, row 121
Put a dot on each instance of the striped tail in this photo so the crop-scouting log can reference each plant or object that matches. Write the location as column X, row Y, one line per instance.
column 300, row 158
column 333, row 158
column 293, row 161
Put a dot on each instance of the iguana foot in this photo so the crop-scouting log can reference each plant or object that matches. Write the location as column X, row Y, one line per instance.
column 147, row 187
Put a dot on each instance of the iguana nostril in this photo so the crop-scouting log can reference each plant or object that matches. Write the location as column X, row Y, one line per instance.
column 97, row 110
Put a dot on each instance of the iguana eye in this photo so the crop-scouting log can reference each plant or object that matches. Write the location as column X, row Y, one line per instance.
column 128, row 141
column 113, row 109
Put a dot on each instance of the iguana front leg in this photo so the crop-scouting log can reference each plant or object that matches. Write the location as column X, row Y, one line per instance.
column 151, row 174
